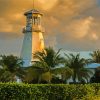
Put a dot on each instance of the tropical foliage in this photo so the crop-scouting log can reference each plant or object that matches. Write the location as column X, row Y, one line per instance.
column 95, row 56
column 49, row 56
column 11, row 67
column 48, row 66
column 96, row 76
column 46, row 63
column 37, row 73
column 77, row 64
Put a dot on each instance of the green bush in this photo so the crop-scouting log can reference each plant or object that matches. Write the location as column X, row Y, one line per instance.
column 14, row 91
column 90, row 98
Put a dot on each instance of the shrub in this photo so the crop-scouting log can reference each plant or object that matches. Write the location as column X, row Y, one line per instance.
column 14, row 91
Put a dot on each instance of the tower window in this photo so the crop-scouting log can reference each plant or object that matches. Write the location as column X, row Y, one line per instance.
column 36, row 20
column 29, row 20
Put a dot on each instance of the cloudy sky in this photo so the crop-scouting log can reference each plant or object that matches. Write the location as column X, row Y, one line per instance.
column 73, row 25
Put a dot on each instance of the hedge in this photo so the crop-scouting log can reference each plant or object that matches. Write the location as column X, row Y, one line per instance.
column 14, row 91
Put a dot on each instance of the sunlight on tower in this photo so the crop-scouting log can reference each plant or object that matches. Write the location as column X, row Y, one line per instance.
column 33, row 36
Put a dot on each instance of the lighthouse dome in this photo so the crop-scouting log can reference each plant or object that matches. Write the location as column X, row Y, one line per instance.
column 33, row 11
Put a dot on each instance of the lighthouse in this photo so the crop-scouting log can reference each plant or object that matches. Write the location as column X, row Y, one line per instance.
column 33, row 36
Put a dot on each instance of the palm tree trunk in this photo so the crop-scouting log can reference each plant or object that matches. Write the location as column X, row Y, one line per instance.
column 50, row 76
column 39, row 79
column 74, row 77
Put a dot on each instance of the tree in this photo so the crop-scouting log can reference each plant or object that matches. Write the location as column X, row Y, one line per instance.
column 36, row 72
column 5, row 76
column 46, row 65
column 77, row 64
column 12, row 65
column 95, row 56
column 64, row 72
column 49, row 56
column 96, row 76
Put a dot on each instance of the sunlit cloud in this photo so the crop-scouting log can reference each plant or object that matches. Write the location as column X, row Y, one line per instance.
column 68, row 23
column 80, row 28
column 47, row 4
column 94, row 36
column 18, row 16
column 5, row 26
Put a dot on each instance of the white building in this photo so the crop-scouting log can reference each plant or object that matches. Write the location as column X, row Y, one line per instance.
column 33, row 36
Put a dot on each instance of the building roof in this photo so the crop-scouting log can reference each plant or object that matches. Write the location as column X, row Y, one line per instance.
column 93, row 66
column 33, row 11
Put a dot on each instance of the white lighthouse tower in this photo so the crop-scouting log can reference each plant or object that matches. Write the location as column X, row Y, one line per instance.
column 33, row 36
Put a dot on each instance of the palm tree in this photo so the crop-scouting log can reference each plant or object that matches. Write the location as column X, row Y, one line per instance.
column 5, row 76
column 64, row 72
column 96, row 77
column 36, row 72
column 77, row 64
column 47, row 65
column 95, row 56
column 47, row 62
column 13, row 65
column 49, row 56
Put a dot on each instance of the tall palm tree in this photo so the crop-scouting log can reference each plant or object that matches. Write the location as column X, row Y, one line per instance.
column 36, row 72
column 47, row 62
column 13, row 65
column 49, row 56
column 41, row 71
column 96, row 76
column 5, row 76
column 64, row 72
column 77, row 64
column 47, row 65
column 95, row 56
